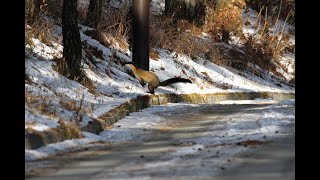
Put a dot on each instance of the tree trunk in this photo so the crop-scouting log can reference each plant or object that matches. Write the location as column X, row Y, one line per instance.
column 72, row 48
column 33, row 10
column 191, row 10
column 94, row 13
column 140, row 33
column 225, row 35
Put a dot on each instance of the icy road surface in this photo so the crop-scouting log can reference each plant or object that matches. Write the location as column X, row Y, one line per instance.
column 230, row 140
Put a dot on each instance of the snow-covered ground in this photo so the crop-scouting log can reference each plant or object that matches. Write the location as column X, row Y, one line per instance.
column 51, row 97
column 138, row 125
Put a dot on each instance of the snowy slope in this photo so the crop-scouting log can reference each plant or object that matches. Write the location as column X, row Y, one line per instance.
column 114, row 85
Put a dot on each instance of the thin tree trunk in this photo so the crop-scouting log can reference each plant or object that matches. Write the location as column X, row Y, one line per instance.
column 140, row 33
column 94, row 13
column 72, row 48
column 225, row 35
column 34, row 10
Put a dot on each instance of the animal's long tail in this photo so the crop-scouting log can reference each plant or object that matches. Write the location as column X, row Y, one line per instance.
column 174, row 80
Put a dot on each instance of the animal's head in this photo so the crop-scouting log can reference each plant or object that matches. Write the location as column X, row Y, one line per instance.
column 131, row 65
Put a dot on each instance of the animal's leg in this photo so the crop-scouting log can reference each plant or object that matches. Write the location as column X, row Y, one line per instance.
column 151, row 89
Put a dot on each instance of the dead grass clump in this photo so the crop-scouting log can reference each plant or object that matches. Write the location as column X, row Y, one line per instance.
column 185, row 26
column 117, row 22
column 86, row 81
column 69, row 105
column 189, row 45
column 222, row 85
column 40, row 24
column 179, row 42
column 61, row 66
column 39, row 103
column 153, row 54
column 53, row 8
column 175, row 35
column 214, row 55
column 82, row 8
column 282, row 9
column 180, row 36
column 270, row 43
column 261, row 55
column 41, row 29
column 162, row 31
column 71, row 130
column 272, row 35
column 273, row 45
column 31, row 10
column 263, row 48
column 28, row 36
column 223, row 17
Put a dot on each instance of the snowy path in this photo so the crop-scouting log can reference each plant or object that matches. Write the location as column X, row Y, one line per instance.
column 248, row 140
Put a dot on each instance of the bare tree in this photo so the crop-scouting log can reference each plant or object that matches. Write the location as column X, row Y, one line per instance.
column 72, row 48
column 94, row 13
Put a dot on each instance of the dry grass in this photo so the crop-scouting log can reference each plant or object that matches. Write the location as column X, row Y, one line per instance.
column 188, row 45
column 162, row 31
column 82, row 8
column 40, row 104
column 41, row 27
column 214, row 55
column 43, row 105
column 270, row 44
column 264, row 48
column 61, row 66
column 253, row 55
column 69, row 105
column 262, row 56
column 153, row 54
column 118, row 23
column 278, row 9
column 71, row 129
column 28, row 36
column 180, row 37
column 86, row 81
column 185, row 26
column 224, row 16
